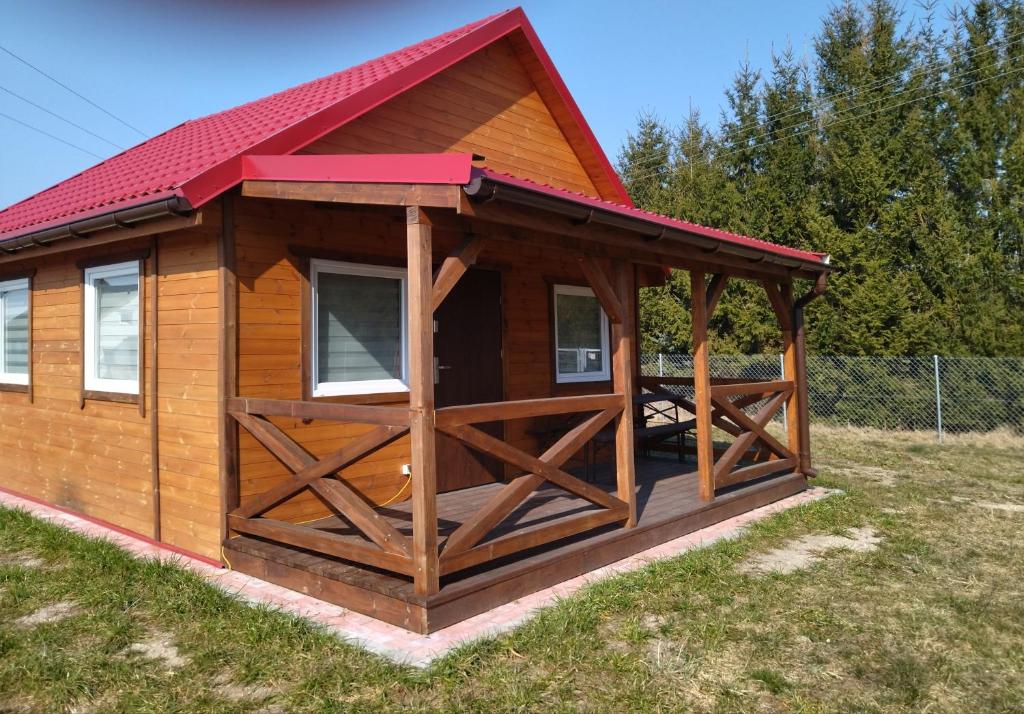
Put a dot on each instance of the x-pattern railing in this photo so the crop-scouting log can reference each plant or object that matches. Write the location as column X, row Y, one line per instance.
column 385, row 546
column 752, row 441
column 464, row 547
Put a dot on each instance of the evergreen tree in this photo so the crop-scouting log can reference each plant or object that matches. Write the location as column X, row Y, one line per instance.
column 898, row 151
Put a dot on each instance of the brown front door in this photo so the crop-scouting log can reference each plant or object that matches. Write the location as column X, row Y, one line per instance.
column 467, row 345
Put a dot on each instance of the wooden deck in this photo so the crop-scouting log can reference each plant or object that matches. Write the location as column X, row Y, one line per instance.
column 668, row 506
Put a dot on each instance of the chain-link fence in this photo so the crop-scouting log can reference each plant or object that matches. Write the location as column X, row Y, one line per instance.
column 944, row 394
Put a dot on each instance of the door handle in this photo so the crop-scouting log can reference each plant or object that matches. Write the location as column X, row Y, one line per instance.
column 437, row 370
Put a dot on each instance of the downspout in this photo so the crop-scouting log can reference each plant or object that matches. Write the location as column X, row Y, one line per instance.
column 800, row 353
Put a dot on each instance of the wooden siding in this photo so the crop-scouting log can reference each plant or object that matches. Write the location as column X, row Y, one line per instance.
column 271, row 282
column 486, row 104
column 188, row 363
column 96, row 459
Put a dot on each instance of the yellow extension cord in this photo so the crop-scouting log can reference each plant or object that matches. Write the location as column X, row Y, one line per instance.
column 408, row 480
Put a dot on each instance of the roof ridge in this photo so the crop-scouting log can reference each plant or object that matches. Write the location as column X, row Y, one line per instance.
column 458, row 31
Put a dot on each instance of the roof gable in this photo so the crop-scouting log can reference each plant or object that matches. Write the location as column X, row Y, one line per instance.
column 485, row 104
column 201, row 158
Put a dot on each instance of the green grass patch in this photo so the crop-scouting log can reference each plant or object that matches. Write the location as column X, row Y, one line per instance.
column 930, row 621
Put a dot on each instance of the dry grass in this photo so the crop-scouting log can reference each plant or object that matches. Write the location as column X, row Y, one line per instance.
column 930, row 619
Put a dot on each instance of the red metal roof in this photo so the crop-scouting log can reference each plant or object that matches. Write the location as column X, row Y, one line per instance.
column 655, row 218
column 200, row 159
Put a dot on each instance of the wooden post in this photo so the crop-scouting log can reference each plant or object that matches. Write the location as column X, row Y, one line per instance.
column 227, row 348
column 623, row 380
column 421, row 402
column 702, row 387
column 793, row 415
column 800, row 377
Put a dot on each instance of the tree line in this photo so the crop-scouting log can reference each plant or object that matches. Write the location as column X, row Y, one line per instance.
column 897, row 147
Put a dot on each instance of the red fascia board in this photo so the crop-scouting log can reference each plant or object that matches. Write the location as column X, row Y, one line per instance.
column 211, row 183
column 448, row 169
column 656, row 218
column 570, row 103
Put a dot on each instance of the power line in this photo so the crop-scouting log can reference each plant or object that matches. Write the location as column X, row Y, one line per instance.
column 856, row 107
column 83, row 98
column 58, row 116
column 844, row 118
column 46, row 133
column 896, row 76
column 878, row 84
column 845, row 115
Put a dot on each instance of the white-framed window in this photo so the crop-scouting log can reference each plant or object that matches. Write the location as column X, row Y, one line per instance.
column 581, row 336
column 112, row 328
column 14, row 354
column 359, row 341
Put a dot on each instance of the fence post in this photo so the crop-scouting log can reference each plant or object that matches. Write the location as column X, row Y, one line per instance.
column 661, row 364
column 938, row 399
column 785, row 405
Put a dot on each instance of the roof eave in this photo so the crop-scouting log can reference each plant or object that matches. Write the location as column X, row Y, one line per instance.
column 142, row 210
column 483, row 187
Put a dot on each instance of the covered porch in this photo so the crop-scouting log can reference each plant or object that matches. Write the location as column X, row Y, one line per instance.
column 447, row 552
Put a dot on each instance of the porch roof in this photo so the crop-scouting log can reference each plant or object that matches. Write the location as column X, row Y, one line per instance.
column 481, row 183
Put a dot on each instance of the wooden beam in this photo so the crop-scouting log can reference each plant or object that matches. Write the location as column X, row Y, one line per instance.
column 526, row 408
column 375, row 526
column 329, row 411
column 702, row 388
column 423, row 439
column 753, row 471
column 603, row 290
column 623, row 383
column 531, row 537
column 387, row 194
column 715, row 291
column 453, row 268
column 154, row 382
column 783, row 310
column 321, row 542
column 734, row 388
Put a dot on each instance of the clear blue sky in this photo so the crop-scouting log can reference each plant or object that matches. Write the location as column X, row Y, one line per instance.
column 156, row 64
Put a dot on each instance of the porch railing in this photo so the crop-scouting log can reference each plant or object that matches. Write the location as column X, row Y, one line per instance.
column 385, row 547
column 753, row 453
column 382, row 545
column 751, row 440
column 462, row 549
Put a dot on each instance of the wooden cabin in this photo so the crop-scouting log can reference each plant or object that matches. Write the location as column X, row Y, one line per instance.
column 374, row 338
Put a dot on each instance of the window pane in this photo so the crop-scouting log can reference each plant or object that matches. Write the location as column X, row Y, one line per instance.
column 117, row 327
column 15, row 331
column 578, row 321
column 359, row 328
